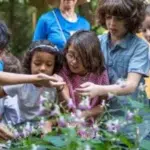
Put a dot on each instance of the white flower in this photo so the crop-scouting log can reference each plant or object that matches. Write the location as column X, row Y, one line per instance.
column 87, row 147
column 110, row 95
column 9, row 143
column 28, row 127
column 85, row 103
column 95, row 127
column 56, row 111
column 113, row 126
column 71, row 105
column 103, row 103
column 142, row 87
column 137, row 131
column 35, row 147
column 78, row 113
column 41, row 124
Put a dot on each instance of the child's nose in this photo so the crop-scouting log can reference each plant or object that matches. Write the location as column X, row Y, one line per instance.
column 74, row 61
column 148, row 32
column 112, row 21
column 42, row 68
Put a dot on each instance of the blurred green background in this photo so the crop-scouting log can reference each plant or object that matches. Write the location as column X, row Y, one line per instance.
column 21, row 17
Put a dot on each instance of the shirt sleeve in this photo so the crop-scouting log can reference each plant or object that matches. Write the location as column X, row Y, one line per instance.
column 12, row 90
column 139, row 62
column 40, row 30
column 1, row 65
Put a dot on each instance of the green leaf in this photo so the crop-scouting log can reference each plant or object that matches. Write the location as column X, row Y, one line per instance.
column 138, row 119
column 126, row 141
column 137, row 104
column 57, row 141
column 145, row 144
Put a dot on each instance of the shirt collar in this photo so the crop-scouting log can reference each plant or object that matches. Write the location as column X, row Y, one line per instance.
column 123, row 43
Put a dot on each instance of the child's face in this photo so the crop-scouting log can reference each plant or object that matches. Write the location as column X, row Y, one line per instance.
column 68, row 3
column 146, row 28
column 74, row 61
column 116, row 26
column 42, row 62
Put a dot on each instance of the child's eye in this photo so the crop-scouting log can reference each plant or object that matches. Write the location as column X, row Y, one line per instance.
column 119, row 18
column 49, row 65
column 37, row 63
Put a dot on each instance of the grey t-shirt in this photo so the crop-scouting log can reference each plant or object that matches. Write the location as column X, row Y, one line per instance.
column 29, row 98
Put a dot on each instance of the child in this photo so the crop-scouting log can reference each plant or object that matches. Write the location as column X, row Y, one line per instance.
column 146, row 33
column 146, row 24
column 42, row 57
column 126, row 55
column 9, row 110
column 11, row 63
column 84, row 62
column 4, row 40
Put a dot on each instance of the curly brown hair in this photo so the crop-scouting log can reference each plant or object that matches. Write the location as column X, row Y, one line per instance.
column 42, row 45
column 133, row 11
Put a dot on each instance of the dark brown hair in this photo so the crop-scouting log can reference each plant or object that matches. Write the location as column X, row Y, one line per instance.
column 11, row 63
column 87, row 45
column 132, row 11
column 44, row 46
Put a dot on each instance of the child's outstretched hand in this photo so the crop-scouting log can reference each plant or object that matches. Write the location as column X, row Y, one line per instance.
column 5, row 133
column 47, row 81
column 89, row 89
column 58, row 82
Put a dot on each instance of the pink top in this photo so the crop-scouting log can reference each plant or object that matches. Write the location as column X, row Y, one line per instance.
column 74, row 81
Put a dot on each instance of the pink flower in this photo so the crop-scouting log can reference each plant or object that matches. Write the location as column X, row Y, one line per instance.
column 62, row 122
column 85, row 103
column 71, row 105
column 113, row 126
column 129, row 115
column 56, row 111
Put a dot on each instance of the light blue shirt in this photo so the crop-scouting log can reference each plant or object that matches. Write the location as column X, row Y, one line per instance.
column 48, row 28
column 130, row 55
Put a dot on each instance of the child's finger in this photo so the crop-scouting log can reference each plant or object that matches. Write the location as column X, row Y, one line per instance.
column 56, row 84
column 81, row 90
column 86, row 84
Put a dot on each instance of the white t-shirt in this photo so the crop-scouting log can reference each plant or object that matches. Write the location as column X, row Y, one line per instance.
column 29, row 99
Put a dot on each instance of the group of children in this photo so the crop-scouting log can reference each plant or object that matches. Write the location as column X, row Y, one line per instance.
column 87, row 66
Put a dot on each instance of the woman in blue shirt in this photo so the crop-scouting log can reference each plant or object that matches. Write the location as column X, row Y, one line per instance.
column 60, row 23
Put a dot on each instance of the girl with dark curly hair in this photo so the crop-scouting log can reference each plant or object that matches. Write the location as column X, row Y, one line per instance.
column 42, row 57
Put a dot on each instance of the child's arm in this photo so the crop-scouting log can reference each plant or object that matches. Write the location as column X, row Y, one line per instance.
column 62, row 90
column 12, row 78
column 93, row 90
